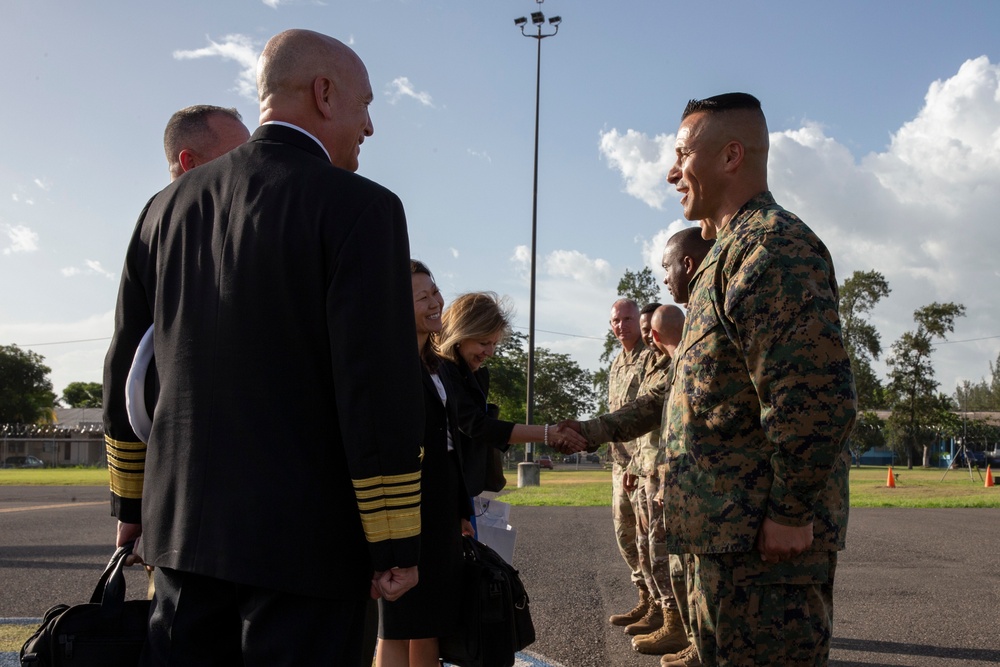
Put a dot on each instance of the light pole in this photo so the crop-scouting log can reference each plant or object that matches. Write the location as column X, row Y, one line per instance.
column 537, row 20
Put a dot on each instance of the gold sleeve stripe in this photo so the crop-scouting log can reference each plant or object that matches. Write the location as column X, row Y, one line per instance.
column 395, row 491
column 126, row 463
column 395, row 524
column 389, row 506
column 375, row 505
column 384, row 480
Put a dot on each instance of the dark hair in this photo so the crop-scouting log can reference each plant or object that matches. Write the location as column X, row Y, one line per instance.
column 649, row 308
column 189, row 127
column 689, row 243
column 724, row 102
column 428, row 356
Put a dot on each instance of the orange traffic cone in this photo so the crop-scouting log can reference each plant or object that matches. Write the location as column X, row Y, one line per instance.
column 891, row 480
column 989, row 477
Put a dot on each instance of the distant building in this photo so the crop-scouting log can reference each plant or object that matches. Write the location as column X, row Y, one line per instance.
column 75, row 439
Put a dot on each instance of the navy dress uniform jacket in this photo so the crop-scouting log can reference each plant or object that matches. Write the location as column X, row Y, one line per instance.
column 274, row 436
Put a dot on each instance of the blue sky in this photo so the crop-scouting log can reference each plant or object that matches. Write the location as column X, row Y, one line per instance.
column 884, row 120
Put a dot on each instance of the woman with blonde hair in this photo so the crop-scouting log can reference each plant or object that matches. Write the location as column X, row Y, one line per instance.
column 472, row 328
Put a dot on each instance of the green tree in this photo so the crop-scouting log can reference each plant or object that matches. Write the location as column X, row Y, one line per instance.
column 25, row 390
column 868, row 433
column 563, row 390
column 83, row 394
column 642, row 288
column 982, row 396
column 858, row 296
column 912, row 387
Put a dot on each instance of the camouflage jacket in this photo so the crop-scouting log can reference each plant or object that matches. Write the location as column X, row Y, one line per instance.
column 623, row 386
column 637, row 420
column 762, row 399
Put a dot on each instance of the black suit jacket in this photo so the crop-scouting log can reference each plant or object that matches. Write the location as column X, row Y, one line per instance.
column 480, row 432
column 262, row 272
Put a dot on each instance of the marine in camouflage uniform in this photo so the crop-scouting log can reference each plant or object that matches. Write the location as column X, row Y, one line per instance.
column 624, row 377
column 649, row 525
column 745, row 445
column 759, row 409
column 641, row 419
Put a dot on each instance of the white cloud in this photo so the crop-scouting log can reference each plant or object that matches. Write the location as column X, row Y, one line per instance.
column 454, row 252
column 42, row 184
column 90, row 268
column 577, row 266
column 273, row 4
column 484, row 155
column 20, row 238
column 642, row 161
column 22, row 200
column 401, row 87
column 238, row 48
column 923, row 212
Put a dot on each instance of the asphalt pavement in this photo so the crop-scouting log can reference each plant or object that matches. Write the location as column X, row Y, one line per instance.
column 915, row 587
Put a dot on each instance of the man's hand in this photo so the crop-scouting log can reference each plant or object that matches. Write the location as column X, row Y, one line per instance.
column 777, row 542
column 391, row 584
column 566, row 439
column 629, row 481
column 129, row 532
column 467, row 529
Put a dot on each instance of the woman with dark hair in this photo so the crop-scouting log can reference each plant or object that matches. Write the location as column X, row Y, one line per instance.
column 409, row 628
column 472, row 328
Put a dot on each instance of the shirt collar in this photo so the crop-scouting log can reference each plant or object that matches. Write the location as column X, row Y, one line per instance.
column 296, row 127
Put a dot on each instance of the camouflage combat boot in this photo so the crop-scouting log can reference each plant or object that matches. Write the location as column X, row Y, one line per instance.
column 670, row 638
column 637, row 612
column 651, row 621
column 686, row 658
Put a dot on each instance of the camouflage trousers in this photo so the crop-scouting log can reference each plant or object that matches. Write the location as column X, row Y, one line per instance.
column 654, row 562
column 623, row 511
column 747, row 613
column 681, row 571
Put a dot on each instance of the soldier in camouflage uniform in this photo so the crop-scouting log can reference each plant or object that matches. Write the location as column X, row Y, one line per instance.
column 682, row 256
column 641, row 419
column 623, row 385
column 759, row 408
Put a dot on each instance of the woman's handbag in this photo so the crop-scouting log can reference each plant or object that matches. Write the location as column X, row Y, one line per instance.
column 106, row 632
column 495, row 617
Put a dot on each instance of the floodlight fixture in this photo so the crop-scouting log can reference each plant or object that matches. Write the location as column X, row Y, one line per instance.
column 520, row 21
column 555, row 20
column 537, row 17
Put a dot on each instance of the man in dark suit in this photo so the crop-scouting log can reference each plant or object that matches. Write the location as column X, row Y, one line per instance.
column 270, row 439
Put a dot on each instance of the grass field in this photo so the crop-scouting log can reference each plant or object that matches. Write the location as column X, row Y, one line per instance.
column 569, row 487
column 914, row 488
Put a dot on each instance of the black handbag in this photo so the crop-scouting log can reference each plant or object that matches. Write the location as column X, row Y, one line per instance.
column 106, row 632
column 495, row 619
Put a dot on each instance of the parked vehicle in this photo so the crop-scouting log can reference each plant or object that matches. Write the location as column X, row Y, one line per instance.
column 23, row 462
column 544, row 461
column 571, row 458
column 594, row 457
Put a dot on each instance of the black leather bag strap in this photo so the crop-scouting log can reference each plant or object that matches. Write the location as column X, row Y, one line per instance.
column 110, row 589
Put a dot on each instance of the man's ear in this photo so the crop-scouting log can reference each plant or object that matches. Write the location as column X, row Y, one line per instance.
column 324, row 94
column 733, row 155
column 656, row 335
column 188, row 160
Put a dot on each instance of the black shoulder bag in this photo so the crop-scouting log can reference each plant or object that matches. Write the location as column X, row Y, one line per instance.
column 106, row 632
column 496, row 620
